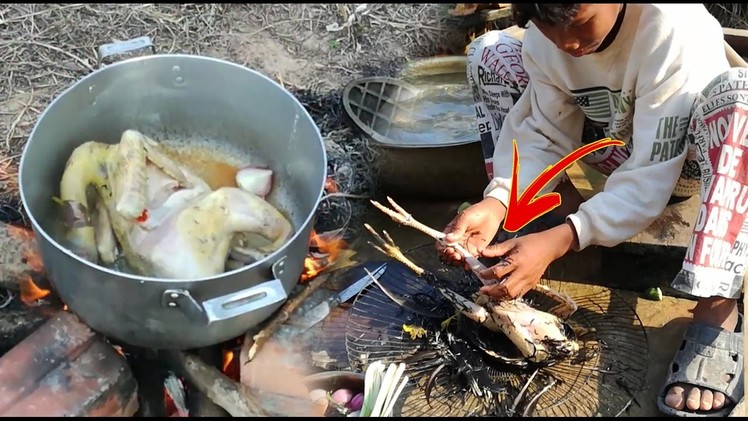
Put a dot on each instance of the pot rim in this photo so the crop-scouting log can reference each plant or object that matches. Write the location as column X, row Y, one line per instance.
column 136, row 278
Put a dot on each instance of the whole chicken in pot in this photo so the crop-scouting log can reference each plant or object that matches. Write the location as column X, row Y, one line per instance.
column 132, row 199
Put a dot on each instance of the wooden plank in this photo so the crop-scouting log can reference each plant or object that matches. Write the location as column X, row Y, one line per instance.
column 491, row 15
column 738, row 39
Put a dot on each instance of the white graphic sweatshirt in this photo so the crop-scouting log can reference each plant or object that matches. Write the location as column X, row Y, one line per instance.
column 640, row 90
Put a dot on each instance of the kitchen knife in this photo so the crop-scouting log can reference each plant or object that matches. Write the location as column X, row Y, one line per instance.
column 319, row 312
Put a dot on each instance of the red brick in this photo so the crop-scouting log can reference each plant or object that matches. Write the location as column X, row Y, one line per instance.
column 65, row 369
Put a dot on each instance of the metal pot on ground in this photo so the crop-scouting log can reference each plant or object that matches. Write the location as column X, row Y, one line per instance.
column 414, row 159
column 175, row 95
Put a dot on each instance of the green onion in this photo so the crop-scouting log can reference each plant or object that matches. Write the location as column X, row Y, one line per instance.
column 382, row 389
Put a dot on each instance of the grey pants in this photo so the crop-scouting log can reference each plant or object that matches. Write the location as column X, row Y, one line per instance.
column 717, row 255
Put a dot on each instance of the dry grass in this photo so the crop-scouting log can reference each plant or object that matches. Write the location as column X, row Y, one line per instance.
column 730, row 15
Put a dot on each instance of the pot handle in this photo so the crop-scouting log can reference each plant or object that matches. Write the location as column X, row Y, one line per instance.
column 230, row 305
column 121, row 47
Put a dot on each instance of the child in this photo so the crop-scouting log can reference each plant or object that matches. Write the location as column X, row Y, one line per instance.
column 657, row 78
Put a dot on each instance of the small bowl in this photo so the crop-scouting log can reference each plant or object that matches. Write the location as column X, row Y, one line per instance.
column 334, row 380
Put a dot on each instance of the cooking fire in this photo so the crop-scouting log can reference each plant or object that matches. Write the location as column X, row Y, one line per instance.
column 174, row 399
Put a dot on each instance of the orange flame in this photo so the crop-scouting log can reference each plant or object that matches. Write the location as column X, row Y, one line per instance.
column 230, row 366
column 228, row 356
column 324, row 251
column 30, row 293
column 324, row 248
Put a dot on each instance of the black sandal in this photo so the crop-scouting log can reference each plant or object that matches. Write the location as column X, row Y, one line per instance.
column 708, row 358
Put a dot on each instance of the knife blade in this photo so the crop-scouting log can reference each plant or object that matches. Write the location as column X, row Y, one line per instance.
column 320, row 311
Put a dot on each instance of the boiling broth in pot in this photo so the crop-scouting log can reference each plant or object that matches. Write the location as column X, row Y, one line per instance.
column 216, row 165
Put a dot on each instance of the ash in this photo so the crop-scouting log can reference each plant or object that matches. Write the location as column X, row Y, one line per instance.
column 350, row 160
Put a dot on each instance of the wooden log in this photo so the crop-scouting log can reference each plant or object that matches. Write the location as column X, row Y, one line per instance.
column 150, row 372
column 17, row 322
column 65, row 369
column 21, row 267
column 237, row 399
column 198, row 403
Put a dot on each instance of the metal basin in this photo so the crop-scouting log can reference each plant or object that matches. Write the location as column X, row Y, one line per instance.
column 170, row 96
column 425, row 137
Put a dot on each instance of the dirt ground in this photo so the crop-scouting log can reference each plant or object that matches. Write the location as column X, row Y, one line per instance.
column 311, row 49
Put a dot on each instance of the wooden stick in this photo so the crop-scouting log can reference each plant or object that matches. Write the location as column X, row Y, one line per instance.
column 388, row 247
column 566, row 306
column 281, row 316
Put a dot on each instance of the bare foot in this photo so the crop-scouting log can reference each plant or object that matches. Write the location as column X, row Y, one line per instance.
column 715, row 311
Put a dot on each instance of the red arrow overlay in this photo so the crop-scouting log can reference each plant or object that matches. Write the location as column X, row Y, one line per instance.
column 529, row 208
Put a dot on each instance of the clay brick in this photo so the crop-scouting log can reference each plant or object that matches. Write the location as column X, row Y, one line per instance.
column 65, row 369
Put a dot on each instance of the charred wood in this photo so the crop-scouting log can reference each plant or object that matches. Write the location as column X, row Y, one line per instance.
column 150, row 373
column 198, row 403
column 17, row 322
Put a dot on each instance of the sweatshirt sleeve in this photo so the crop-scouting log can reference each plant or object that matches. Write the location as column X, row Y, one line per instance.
column 636, row 193
column 542, row 113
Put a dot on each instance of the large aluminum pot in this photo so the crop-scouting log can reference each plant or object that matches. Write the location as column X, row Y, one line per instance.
column 175, row 95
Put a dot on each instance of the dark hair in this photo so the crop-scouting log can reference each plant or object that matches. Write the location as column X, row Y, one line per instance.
column 549, row 14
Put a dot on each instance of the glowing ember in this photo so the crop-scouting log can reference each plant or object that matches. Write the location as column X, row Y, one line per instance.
column 33, row 260
column 30, row 293
column 331, row 186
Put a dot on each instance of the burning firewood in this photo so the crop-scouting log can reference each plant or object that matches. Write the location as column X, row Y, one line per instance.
column 236, row 398
column 21, row 267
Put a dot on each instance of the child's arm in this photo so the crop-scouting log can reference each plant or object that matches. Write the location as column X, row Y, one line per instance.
column 547, row 124
column 674, row 68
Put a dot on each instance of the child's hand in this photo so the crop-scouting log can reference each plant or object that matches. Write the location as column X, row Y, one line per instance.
column 525, row 260
column 473, row 228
